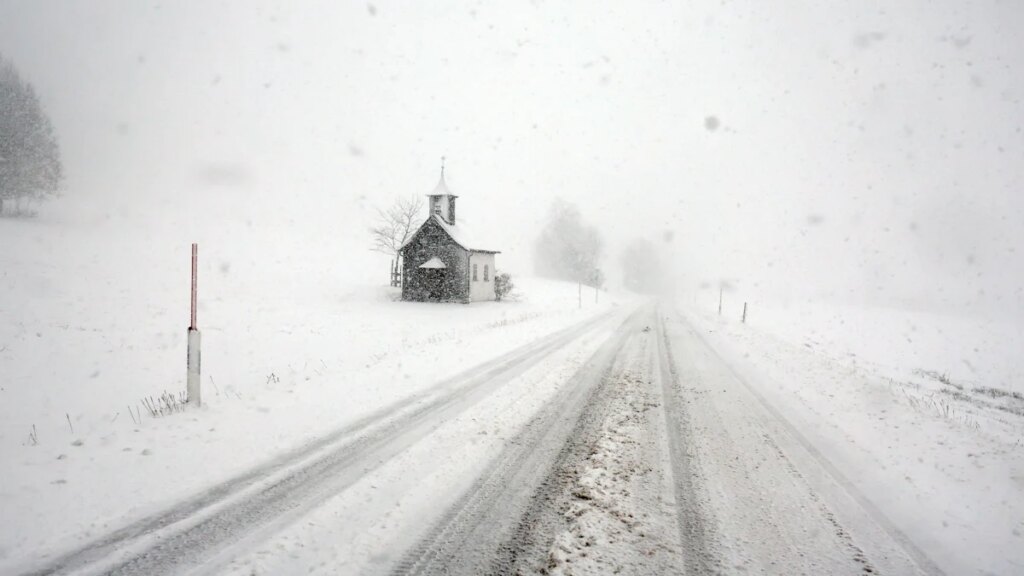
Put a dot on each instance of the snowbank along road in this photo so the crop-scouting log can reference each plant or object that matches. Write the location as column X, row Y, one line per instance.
column 627, row 446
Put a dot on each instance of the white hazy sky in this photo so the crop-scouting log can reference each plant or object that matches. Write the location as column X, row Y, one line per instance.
column 864, row 151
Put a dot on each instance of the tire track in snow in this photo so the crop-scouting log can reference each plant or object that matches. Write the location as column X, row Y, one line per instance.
column 534, row 544
column 695, row 527
column 832, row 482
column 248, row 505
column 609, row 506
column 483, row 532
column 841, row 532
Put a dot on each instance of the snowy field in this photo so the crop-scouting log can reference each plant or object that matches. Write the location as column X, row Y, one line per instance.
column 922, row 412
column 94, row 320
column 970, row 351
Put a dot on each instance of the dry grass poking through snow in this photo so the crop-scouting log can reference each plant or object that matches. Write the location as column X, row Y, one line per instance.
column 932, row 403
column 958, row 401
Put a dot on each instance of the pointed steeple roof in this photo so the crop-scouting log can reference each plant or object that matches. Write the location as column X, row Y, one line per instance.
column 442, row 187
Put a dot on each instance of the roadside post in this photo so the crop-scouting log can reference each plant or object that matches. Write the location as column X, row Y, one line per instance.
column 744, row 321
column 193, row 379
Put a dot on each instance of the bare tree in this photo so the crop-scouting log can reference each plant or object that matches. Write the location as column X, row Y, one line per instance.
column 395, row 226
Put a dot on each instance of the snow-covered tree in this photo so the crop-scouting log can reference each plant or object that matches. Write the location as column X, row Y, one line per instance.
column 502, row 286
column 567, row 248
column 30, row 167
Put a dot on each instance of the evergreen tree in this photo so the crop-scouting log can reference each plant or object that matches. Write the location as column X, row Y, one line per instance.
column 567, row 248
column 30, row 167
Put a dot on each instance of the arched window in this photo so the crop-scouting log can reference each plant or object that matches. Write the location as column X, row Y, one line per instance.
column 474, row 273
column 487, row 273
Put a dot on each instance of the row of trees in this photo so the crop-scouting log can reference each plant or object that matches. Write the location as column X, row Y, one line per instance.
column 570, row 249
column 30, row 167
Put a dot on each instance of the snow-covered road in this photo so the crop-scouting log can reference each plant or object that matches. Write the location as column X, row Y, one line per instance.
column 661, row 460
column 623, row 444
column 771, row 501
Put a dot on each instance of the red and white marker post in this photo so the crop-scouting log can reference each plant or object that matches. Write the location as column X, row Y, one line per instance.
column 193, row 381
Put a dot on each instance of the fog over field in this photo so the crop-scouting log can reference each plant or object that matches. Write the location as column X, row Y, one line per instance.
column 864, row 154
